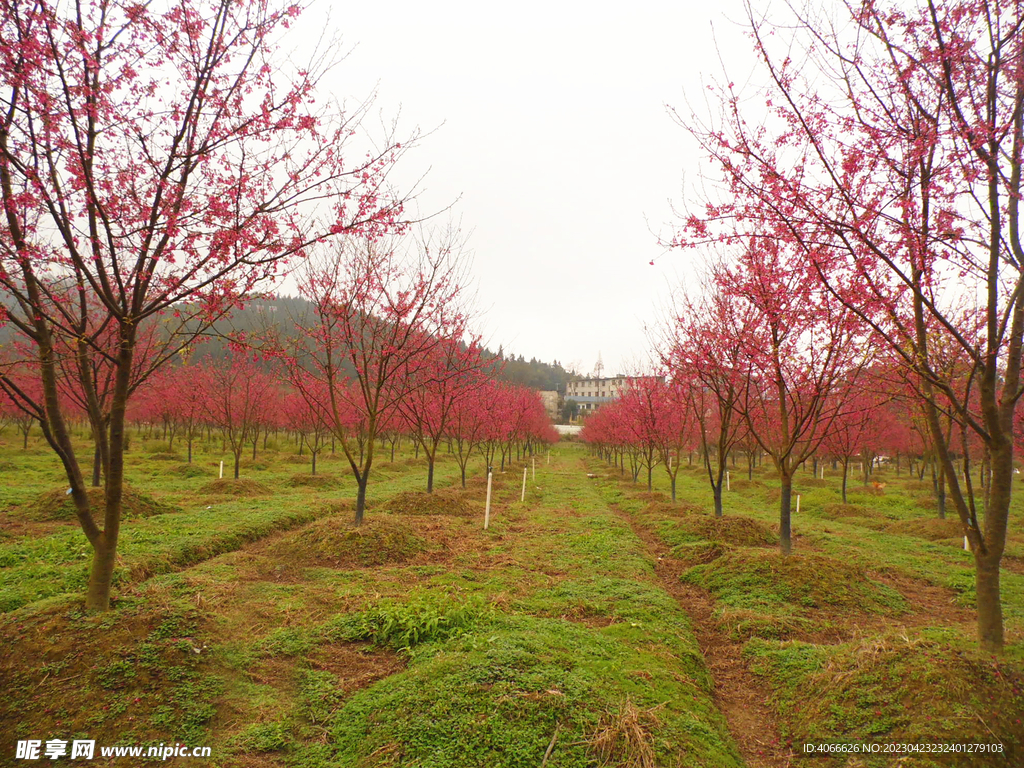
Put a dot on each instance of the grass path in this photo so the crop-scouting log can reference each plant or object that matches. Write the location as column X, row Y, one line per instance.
column 739, row 694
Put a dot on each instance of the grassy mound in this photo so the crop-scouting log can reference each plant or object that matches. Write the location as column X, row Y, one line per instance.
column 58, row 505
column 444, row 502
column 730, row 529
column 931, row 528
column 190, row 470
column 918, row 486
column 699, row 552
column 314, row 481
column 339, row 543
column 813, row 482
column 897, row 687
column 655, row 496
column 833, row 511
column 231, row 487
column 536, row 677
column 764, row 579
column 165, row 455
column 742, row 484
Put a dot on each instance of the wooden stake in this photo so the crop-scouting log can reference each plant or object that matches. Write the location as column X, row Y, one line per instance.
column 522, row 496
column 487, row 508
column 534, row 462
column 222, row 470
column 728, row 485
column 798, row 503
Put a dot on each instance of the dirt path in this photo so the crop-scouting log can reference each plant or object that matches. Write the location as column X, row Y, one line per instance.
column 739, row 695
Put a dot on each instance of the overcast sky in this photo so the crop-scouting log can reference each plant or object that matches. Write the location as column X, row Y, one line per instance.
column 554, row 137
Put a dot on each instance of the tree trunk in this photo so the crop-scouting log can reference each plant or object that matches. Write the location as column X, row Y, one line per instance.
column 939, row 487
column 314, row 464
column 673, row 487
column 101, row 576
column 238, row 461
column 361, row 498
column 430, row 473
column 717, row 488
column 97, row 463
column 846, row 467
column 990, row 607
column 785, row 529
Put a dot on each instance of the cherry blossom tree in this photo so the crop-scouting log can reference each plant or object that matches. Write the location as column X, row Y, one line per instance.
column 381, row 309
column 239, row 394
column 798, row 345
column 706, row 354
column 890, row 156
column 451, row 373
column 157, row 161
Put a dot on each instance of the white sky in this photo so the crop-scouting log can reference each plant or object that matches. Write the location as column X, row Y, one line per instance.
column 556, row 139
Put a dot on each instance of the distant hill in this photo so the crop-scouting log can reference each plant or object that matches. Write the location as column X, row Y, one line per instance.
column 282, row 314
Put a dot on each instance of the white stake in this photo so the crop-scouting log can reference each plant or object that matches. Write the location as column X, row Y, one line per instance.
column 222, row 470
column 549, row 457
column 487, row 508
column 728, row 485
column 798, row 503
column 966, row 545
column 522, row 496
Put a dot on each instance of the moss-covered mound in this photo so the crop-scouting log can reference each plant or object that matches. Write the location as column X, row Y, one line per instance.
column 742, row 484
column 314, row 481
column 930, row 686
column 340, row 544
column 729, row 529
column 762, row 577
column 931, row 528
column 190, row 470
column 164, row 455
column 444, row 502
column 58, row 505
column 232, row 487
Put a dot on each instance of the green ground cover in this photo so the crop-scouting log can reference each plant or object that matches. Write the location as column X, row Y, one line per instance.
column 265, row 626
column 867, row 631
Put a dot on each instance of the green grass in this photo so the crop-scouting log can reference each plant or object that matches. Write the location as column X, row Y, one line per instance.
column 846, row 656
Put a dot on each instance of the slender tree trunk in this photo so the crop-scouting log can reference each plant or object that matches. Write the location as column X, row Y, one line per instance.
column 361, row 482
column 97, row 464
column 846, row 467
column 785, row 527
column 939, row 488
column 430, row 473
column 673, row 487
column 717, row 489
column 101, row 575
column 314, row 462
column 238, row 461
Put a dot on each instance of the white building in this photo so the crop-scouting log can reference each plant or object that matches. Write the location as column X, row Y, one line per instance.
column 592, row 393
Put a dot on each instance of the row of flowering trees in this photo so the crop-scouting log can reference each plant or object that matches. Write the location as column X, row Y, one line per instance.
column 666, row 423
column 866, row 201
column 242, row 399
column 159, row 164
